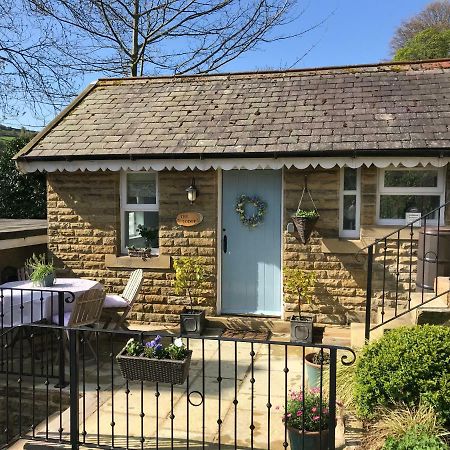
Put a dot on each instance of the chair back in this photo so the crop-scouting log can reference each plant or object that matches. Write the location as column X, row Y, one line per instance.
column 87, row 308
column 133, row 286
column 23, row 274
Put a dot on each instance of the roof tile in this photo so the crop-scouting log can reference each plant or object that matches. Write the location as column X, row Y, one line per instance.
column 401, row 106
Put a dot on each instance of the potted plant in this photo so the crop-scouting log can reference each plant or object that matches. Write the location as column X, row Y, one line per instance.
column 150, row 236
column 316, row 364
column 151, row 361
column 42, row 273
column 304, row 221
column 190, row 276
column 307, row 419
column 299, row 282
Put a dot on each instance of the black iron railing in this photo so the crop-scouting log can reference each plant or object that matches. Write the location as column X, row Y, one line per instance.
column 234, row 397
column 392, row 266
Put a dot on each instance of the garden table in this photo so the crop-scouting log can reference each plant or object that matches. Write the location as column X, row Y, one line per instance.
column 21, row 302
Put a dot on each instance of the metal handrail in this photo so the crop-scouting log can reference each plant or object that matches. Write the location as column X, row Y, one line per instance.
column 404, row 227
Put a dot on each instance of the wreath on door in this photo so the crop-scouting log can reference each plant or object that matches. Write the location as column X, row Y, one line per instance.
column 255, row 219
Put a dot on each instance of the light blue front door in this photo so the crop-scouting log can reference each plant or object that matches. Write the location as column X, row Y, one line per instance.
column 251, row 256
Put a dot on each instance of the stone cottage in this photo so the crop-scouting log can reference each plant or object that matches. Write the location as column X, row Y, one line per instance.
column 371, row 142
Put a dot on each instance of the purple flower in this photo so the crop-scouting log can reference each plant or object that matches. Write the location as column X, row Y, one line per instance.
column 158, row 347
column 155, row 343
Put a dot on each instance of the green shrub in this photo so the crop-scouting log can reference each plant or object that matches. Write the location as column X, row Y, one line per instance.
column 406, row 365
column 414, row 440
column 22, row 196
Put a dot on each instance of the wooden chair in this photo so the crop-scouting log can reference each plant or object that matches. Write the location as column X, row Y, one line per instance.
column 117, row 307
column 23, row 274
column 86, row 311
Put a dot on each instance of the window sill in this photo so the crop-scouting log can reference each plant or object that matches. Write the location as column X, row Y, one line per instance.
column 159, row 262
column 368, row 236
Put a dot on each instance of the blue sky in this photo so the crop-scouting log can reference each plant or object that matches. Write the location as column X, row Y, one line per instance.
column 355, row 32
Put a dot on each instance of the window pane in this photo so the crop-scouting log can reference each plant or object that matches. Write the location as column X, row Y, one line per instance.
column 349, row 219
column 410, row 178
column 350, row 178
column 395, row 206
column 141, row 188
column 149, row 219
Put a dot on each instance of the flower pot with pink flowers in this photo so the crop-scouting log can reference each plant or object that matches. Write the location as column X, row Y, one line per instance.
column 307, row 419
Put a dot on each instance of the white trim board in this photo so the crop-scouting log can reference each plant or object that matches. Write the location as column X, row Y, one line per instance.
column 230, row 163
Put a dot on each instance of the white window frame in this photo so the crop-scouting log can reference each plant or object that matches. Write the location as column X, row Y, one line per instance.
column 350, row 234
column 382, row 190
column 124, row 206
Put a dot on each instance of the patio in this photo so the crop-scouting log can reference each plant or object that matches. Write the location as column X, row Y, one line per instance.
column 233, row 398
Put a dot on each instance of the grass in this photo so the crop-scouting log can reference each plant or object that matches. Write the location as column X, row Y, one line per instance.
column 397, row 421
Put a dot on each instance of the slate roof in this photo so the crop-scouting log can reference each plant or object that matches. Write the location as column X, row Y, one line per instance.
column 384, row 106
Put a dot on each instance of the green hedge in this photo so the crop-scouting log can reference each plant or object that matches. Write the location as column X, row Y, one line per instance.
column 414, row 440
column 406, row 364
column 22, row 196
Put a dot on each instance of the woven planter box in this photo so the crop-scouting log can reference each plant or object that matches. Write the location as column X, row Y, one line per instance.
column 140, row 368
column 138, row 253
column 304, row 226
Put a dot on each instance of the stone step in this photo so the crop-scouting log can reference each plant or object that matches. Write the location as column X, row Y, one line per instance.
column 245, row 323
column 433, row 316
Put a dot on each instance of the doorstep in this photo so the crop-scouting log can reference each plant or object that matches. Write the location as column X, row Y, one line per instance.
column 280, row 329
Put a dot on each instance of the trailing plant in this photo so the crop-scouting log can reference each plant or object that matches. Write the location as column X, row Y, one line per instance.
column 300, row 283
column 406, row 365
column 155, row 349
column 306, row 213
column 190, row 276
column 39, row 267
column 400, row 420
column 306, row 411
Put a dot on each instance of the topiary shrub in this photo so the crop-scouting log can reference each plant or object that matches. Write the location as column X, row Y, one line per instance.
column 414, row 440
column 406, row 365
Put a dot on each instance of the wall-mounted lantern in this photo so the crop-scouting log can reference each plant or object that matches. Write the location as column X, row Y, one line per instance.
column 192, row 192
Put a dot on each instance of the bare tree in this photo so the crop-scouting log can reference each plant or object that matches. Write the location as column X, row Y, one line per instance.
column 32, row 69
column 436, row 15
column 137, row 37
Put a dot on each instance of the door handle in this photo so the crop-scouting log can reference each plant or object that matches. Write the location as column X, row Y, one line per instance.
column 225, row 243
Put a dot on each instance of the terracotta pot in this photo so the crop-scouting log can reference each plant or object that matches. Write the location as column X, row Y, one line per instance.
column 313, row 440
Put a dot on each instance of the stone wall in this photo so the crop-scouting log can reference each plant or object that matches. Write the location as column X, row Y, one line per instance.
column 84, row 227
column 339, row 295
column 340, row 287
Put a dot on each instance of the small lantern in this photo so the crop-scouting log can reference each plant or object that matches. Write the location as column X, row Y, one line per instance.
column 192, row 192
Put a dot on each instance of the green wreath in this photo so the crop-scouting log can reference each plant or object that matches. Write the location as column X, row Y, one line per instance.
column 255, row 219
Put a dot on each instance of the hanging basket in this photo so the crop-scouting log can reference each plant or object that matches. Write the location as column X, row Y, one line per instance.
column 140, row 368
column 305, row 226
